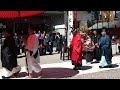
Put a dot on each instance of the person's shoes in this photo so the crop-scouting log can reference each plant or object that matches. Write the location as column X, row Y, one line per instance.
column 50, row 53
column 3, row 77
column 77, row 68
column 101, row 67
column 15, row 74
column 108, row 66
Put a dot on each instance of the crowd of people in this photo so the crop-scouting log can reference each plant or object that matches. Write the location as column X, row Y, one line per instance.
column 46, row 42
column 38, row 43
column 91, row 47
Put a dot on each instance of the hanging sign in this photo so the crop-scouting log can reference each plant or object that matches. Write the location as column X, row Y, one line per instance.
column 70, row 26
column 75, row 19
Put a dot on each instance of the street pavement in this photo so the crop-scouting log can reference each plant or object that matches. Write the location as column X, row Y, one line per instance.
column 54, row 68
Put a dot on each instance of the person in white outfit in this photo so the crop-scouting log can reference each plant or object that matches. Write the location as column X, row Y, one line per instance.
column 32, row 53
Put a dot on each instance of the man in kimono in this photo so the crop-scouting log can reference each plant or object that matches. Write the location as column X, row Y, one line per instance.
column 95, row 38
column 9, row 57
column 76, row 50
column 106, row 50
column 32, row 53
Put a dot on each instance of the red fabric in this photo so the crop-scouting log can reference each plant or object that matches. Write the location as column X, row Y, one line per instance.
column 76, row 49
column 15, row 14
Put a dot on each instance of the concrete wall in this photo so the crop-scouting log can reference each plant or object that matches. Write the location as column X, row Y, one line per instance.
column 83, row 15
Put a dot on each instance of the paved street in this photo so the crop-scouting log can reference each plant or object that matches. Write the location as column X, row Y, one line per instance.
column 54, row 68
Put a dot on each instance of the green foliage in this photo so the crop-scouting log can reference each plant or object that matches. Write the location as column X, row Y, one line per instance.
column 90, row 23
column 83, row 28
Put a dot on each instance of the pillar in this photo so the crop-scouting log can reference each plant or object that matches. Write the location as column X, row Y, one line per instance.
column 70, row 24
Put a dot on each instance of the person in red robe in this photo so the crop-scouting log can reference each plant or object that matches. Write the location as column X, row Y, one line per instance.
column 76, row 49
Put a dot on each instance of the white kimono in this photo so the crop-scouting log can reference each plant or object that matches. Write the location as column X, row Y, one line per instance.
column 33, row 45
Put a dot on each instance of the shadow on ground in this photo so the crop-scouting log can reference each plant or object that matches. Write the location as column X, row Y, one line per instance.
column 86, row 67
column 58, row 72
column 114, row 65
column 53, row 73
column 22, row 74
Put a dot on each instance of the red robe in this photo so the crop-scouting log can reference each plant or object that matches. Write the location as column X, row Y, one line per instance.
column 76, row 49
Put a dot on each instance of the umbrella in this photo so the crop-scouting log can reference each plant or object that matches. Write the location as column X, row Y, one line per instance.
column 18, row 14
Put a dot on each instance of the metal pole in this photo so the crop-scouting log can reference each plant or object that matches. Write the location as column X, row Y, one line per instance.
column 67, row 34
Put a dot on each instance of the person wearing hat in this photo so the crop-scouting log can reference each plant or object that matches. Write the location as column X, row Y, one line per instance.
column 106, row 50
column 76, row 49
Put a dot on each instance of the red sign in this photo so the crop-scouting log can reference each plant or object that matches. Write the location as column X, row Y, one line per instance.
column 75, row 15
column 75, row 19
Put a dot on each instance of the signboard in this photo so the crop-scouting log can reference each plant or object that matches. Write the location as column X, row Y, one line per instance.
column 108, row 16
column 70, row 24
column 75, row 19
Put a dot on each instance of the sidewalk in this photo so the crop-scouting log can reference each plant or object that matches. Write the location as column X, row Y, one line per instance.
column 64, row 70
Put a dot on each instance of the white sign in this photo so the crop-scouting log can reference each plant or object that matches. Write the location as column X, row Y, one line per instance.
column 60, row 26
column 70, row 24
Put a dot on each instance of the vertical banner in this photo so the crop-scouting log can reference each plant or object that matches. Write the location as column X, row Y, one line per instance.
column 70, row 24
column 75, row 19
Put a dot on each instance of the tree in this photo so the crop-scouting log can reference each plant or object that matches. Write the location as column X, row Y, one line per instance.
column 90, row 23
column 83, row 28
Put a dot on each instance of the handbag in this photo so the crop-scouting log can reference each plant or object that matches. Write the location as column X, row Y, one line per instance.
column 103, row 60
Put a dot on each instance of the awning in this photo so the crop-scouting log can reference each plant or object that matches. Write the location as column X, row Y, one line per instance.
column 18, row 14
column 106, row 25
